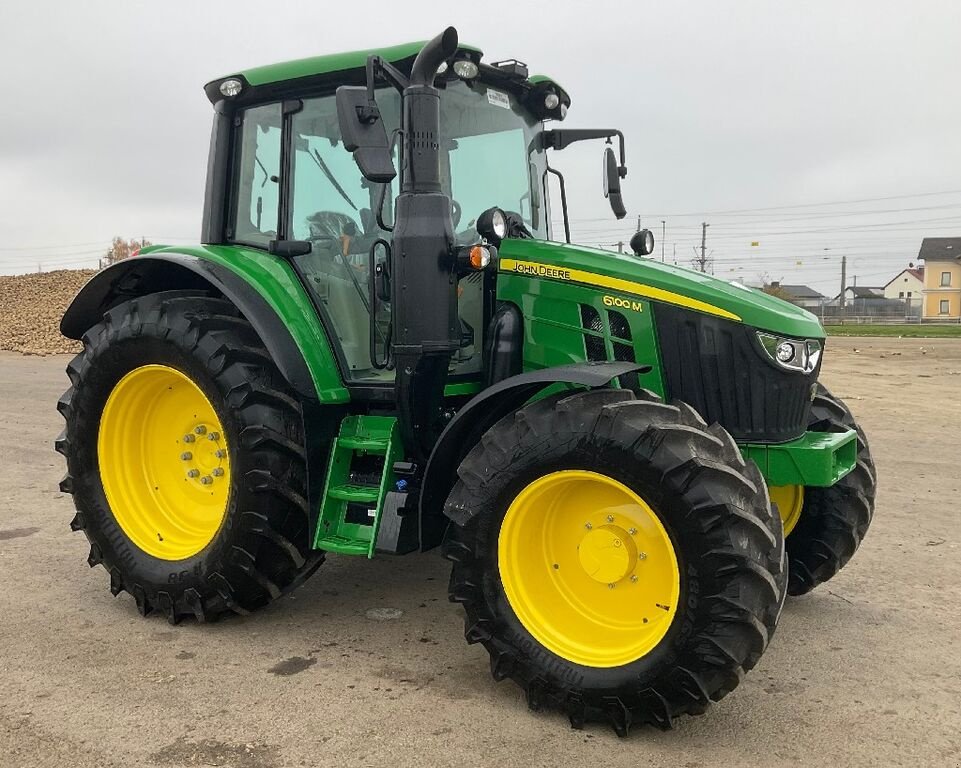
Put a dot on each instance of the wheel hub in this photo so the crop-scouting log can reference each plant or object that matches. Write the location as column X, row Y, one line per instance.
column 607, row 554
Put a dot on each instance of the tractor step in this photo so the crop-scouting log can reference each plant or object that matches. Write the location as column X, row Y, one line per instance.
column 354, row 493
column 365, row 448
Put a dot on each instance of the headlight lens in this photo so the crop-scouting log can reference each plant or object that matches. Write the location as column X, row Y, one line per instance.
column 231, row 87
column 785, row 352
column 465, row 69
column 492, row 225
column 801, row 355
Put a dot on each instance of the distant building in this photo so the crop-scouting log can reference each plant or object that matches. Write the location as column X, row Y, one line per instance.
column 906, row 285
column 942, row 277
column 861, row 292
column 802, row 295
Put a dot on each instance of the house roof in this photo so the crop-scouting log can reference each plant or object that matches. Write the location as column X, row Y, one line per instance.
column 940, row 249
column 802, row 292
column 865, row 291
column 916, row 273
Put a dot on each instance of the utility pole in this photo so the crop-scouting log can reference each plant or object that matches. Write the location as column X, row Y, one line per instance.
column 675, row 254
column 638, row 222
column 663, row 231
column 844, row 279
column 703, row 259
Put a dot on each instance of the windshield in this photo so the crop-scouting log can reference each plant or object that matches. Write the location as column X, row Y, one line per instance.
column 485, row 162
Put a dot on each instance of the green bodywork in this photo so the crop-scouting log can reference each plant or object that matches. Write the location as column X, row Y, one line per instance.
column 274, row 279
column 814, row 459
column 751, row 307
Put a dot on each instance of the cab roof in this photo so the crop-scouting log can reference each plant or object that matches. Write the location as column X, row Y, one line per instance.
column 336, row 66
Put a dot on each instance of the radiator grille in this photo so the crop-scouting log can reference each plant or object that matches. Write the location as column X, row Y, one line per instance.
column 718, row 367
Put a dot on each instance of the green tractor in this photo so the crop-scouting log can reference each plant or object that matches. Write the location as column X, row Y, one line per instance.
column 380, row 348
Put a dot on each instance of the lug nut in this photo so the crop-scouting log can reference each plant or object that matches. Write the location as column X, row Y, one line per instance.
column 186, row 456
column 634, row 578
column 188, row 438
column 201, row 430
column 588, row 526
column 632, row 531
column 206, row 480
column 215, row 436
column 221, row 453
column 193, row 473
column 642, row 555
column 610, row 586
column 610, row 518
column 218, row 472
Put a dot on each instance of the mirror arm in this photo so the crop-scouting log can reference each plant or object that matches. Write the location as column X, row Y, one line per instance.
column 560, row 180
column 561, row 138
column 378, row 66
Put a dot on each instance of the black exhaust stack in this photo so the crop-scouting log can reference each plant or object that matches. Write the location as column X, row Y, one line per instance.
column 426, row 330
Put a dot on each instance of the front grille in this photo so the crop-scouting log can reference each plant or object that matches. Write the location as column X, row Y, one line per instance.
column 718, row 367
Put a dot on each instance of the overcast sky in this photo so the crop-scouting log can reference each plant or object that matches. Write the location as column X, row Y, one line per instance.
column 796, row 108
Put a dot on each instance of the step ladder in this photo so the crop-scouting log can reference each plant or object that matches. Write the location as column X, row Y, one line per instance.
column 359, row 476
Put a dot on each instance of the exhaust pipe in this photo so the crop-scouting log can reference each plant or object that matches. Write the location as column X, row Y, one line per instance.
column 432, row 55
column 426, row 329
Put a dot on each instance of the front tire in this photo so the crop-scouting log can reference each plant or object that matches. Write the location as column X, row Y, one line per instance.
column 642, row 456
column 185, row 459
column 834, row 520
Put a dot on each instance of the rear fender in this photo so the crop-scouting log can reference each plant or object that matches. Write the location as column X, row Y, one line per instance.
column 141, row 275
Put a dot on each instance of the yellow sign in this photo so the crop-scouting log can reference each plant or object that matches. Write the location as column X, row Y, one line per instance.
column 755, row 243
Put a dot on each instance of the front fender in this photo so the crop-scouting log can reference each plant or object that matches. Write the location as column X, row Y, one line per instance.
column 480, row 414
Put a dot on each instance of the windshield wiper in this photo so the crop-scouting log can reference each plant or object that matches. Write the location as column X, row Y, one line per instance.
column 330, row 177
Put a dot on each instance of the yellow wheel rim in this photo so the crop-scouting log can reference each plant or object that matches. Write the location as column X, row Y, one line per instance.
column 790, row 502
column 163, row 462
column 588, row 568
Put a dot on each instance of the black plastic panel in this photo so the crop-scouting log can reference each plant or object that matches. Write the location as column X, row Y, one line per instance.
column 718, row 367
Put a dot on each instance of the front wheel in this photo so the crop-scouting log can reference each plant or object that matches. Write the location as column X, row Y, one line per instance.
column 616, row 557
column 833, row 521
column 185, row 459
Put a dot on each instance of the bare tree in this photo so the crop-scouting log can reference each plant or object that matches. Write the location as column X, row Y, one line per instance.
column 121, row 249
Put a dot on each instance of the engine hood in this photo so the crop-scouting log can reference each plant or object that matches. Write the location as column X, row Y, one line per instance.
column 655, row 281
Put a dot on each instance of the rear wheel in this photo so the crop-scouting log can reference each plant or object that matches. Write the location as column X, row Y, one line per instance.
column 615, row 556
column 834, row 520
column 185, row 459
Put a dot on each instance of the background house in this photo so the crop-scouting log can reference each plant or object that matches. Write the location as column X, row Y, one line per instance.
column 906, row 285
column 942, row 277
column 802, row 295
column 861, row 292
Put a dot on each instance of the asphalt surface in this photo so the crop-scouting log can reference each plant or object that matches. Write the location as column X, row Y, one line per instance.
column 366, row 664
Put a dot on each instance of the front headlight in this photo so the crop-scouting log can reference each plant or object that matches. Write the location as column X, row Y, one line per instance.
column 801, row 355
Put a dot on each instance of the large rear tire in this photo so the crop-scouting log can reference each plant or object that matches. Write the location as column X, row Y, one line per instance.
column 557, row 510
column 834, row 520
column 185, row 458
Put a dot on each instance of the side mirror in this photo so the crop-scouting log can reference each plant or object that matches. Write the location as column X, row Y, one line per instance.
column 612, row 184
column 642, row 243
column 363, row 133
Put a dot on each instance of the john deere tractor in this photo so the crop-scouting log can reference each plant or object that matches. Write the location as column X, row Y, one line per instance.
column 382, row 347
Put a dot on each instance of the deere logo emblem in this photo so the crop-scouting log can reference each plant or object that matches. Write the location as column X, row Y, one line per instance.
column 617, row 301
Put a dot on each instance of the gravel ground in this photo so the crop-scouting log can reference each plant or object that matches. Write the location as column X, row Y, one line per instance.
column 366, row 664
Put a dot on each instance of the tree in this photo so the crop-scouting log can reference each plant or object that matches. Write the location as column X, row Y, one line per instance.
column 773, row 287
column 121, row 249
